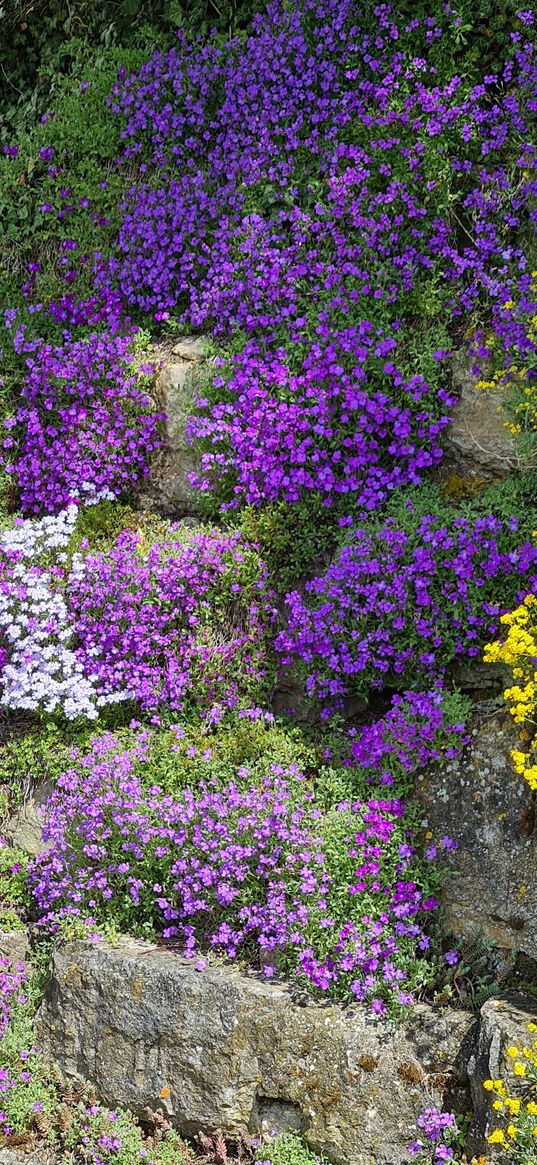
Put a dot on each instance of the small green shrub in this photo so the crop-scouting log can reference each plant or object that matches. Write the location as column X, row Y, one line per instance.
column 13, row 891
column 286, row 1149
column 205, row 751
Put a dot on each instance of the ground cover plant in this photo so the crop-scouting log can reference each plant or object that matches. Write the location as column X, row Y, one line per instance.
column 406, row 597
column 343, row 196
column 150, row 624
column 250, row 868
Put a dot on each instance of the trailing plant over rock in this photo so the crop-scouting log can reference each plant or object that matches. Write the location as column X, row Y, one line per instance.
column 401, row 601
column 154, row 624
column 251, row 870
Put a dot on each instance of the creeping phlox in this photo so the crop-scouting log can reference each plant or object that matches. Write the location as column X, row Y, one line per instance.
column 39, row 667
column 160, row 624
column 519, row 652
column 518, row 1131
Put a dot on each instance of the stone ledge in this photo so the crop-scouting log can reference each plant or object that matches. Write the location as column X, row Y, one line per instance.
column 241, row 1054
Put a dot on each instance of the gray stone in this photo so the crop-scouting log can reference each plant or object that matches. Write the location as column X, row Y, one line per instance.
column 191, row 348
column 43, row 1155
column 14, row 945
column 22, row 829
column 490, row 886
column 502, row 1022
column 167, row 488
column 241, row 1054
column 477, row 446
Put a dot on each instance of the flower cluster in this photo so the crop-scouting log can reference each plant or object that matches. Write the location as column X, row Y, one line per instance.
column 243, row 868
column 317, row 191
column 182, row 620
column 519, row 1134
column 437, row 1128
column 519, row 652
column 12, row 982
column 404, row 602
column 419, row 727
column 86, row 430
column 39, row 668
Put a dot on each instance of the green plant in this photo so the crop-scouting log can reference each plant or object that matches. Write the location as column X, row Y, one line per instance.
column 286, row 1149
column 294, row 540
column 13, row 891
column 198, row 751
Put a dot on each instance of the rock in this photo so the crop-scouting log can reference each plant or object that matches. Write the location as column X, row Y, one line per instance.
column 191, row 348
column 477, row 446
column 167, row 488
column 502, row 1022
column 22, row 830
column 14, row 946
column 490, row 887
column 43, row 1155
column 242, row 1054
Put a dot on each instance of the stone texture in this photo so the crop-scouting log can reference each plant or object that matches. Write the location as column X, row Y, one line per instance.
column 14, row 945
column 477, row 446
column 239, row 1053
column 478, row 799
column 167, row 488
column 41, row 1156
column 22, row 829
column 502, row 1022
column 191, row 348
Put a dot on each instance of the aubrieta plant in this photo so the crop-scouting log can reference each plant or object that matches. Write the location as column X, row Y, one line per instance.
column 326, row 196
column 154, row 624
column 86, row 431
column 248, row 869
column 400, row 602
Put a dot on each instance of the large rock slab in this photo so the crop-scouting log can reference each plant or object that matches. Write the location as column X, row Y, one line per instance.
column 502, row 1022
column 241, row 1054
column 14, row 946
column 479, row 800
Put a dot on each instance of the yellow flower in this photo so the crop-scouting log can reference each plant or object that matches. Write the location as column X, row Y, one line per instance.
column 498, row 1105
column 512, row 1052
column 532, row 1108
column 519, row 1069
column 497, row 1137
column 512, row 1131
column 532, row 1027
column 488, row 1084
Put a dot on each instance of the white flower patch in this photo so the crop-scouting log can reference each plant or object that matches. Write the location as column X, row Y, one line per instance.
column 42, row 671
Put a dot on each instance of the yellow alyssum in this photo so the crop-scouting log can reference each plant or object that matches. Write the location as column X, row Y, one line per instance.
column 519, row 1137
column 519, row 652
column 519, row 383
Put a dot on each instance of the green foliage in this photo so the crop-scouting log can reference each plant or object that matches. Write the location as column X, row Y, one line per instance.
column 39, row 756
column 13, row 893
column 198, row 751
column 85, row 138
column 37, row 36
column 286, row 1149
column 295, row 541
column 101, row 525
